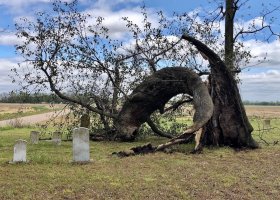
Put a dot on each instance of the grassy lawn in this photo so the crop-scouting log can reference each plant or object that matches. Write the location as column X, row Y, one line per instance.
column 217, row 173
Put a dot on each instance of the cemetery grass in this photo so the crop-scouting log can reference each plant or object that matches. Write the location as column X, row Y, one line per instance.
column 217, row 173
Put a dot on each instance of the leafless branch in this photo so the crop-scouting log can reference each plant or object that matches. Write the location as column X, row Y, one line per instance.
column 176, row 105
column 262, row 27
column 156, row 130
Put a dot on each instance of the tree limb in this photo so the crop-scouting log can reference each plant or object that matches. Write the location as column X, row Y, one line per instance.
column 153, row 93
column 64, row 97
column 156, row 130
column 176, row 105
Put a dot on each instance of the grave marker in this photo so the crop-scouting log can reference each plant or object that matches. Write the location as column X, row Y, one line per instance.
column 34, row 137
column 20, row 151
column 266, row 124
column 81, row 145
column 56, row 138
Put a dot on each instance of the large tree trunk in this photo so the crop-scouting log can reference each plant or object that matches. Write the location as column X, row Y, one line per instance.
column 154, row 92
column 229, row 124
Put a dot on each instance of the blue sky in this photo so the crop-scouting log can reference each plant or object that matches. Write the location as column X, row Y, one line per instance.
column 259, row 83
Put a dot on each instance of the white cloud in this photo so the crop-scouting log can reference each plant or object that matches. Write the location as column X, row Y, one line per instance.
column 260, row 86
column 254, row 85
column 5, row 79
column 9, row 39
column 261, row 50
column 271, row 76
column 251, row 24
column 113, row 19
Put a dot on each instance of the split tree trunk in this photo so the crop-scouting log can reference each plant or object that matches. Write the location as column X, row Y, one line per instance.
column 229, row 124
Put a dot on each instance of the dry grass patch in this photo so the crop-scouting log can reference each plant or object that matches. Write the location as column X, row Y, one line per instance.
column 263, row 111
column 15, row 110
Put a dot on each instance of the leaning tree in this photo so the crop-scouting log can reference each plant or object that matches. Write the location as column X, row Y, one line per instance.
column 78, row 61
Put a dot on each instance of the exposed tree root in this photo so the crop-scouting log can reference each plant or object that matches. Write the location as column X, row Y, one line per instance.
column 149, row 148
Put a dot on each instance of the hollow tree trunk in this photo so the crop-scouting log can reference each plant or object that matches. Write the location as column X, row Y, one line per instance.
column 229, row 124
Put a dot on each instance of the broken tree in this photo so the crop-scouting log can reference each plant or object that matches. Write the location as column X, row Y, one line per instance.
column 229, row 124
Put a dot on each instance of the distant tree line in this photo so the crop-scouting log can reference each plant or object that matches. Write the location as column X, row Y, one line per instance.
column 23, row 97
column 262, row 103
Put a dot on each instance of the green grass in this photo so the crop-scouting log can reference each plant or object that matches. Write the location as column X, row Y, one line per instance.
column 218, row 173
column 266, row 136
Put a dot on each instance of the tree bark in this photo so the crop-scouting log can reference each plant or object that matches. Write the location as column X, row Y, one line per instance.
column 229, row 124
column 229, row 27
column 154, row 92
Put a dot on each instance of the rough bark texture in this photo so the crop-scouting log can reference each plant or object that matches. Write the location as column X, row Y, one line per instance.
column 156, row 91
column 229, row 24
column 229, row 124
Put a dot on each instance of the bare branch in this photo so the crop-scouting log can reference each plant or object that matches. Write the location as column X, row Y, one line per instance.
column 176, row 105
column 156, row 130
column 263, row 26
column 67, row 98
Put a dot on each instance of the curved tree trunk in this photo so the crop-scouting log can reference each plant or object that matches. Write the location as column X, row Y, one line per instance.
column 229, row 124
column 154, row 92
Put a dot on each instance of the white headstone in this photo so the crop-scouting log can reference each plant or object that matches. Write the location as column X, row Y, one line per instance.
column 20, row 151
column 81, row 145
column 34, row 137
column 56, row 138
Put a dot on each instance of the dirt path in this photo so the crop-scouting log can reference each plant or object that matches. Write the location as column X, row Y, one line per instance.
column 33, row 119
